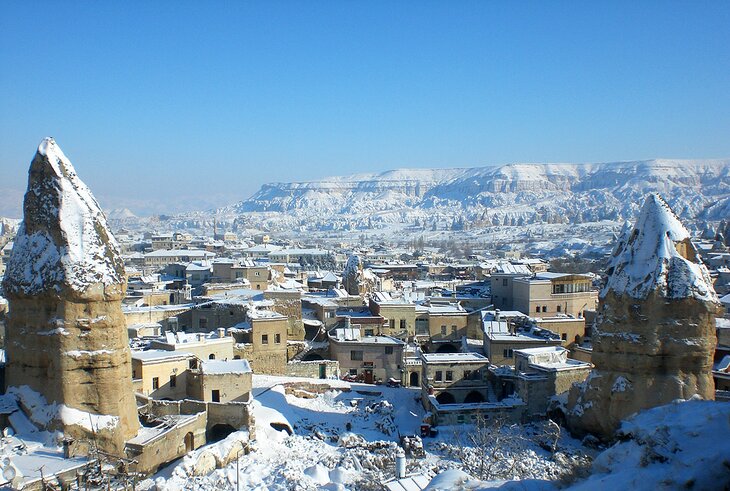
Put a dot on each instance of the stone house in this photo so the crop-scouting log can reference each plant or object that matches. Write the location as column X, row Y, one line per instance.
column 370, row 358
column 262, row 340
column 570, row 329
column 554, row 293
column 542, row 373
column 501, row 340
column 213, row 346
column 221, row 381
column 447, row 324
column 454, row 378
column 399, row 315
column 161, row 374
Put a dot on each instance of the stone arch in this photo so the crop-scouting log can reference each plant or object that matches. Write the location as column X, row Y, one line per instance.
column 312, row 357
column 446, row 398
column 219, row 432
column 473, row 397
column 414, row 379
column 211, row 356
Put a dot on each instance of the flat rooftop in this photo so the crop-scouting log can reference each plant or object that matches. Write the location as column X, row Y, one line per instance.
column 454, row 358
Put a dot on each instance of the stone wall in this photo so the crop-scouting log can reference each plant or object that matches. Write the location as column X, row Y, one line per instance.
column 312, row 369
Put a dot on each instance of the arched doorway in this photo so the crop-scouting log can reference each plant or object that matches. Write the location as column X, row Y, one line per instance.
column 219, row 432
column 211, row 356
column 413, row 380
column 189, row 442
column 445, row 398
column 473, row 397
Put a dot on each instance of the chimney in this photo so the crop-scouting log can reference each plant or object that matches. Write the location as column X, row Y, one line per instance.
column 497, row 315
column 400, row 464
column 221, row 332
column 348, row 325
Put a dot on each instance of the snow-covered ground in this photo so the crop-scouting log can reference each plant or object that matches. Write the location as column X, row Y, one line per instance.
column 323, row 452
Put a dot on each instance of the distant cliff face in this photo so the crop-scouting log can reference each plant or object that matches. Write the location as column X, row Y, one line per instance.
column 508, row 195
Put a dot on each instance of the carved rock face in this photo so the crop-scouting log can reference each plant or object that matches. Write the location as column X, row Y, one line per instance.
column 66, row 335
column 655, row 334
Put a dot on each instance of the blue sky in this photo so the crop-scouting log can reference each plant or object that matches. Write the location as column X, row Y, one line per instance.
column 164, row 106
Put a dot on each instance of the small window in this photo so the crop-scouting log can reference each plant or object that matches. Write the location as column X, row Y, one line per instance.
column 558, row 308
column 211, row 356
column 453, row 329
column 356, row 355
column 264, row 339
column 443, row 330
column 353, row 371
column 564, row 336
column 173, row 380
column 236, row 357
column 504, row 281
column 403, row 324
column 537, row 309
column 544, row 308
column 388, row 350
column 369, row 332
column 467, row 374
column 277, row 338
column 193, row 365
column 449, row 375
column 216, row 395
column 438, row 377
column 155, row 383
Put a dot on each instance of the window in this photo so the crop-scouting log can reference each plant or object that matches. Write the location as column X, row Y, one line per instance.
column 438, row 377
column 544, row 308
column 403, row 324
column 258, row 287
column 467, row 374
column 449, row 375
column 264, row 339
column 277, row 338
column 443, row 330
column 564, row 336
column 507, row 353
column 353, row 371
column 557, row 308
column 155, row 383
column 216, row 395
column 453, row 329
column 504, row 281
column 356, row 355
column 257, row 273
column 388, row 350
column 392, row 323
column 329, row 315
column 211, row 356
column 368, row 332
column 173, row 380
column 193, row 365
column 203, row 323
column 537, row 309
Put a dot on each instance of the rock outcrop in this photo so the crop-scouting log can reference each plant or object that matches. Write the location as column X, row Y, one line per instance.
column 355, row 279
column 655, row 335
column 66, row 334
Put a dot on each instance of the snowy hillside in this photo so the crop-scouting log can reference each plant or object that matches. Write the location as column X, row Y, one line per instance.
column 524, row 192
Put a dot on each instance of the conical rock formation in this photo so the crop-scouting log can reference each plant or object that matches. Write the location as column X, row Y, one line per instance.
column 66, row 335
column 655, row 334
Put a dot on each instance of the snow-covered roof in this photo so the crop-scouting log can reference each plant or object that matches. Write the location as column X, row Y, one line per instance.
column 64, row 240
column 658, row 255
column 470, row 357
column 219, row 367
column 158, row 355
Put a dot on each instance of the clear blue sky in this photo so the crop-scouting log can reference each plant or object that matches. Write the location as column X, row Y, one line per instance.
column 208, row 100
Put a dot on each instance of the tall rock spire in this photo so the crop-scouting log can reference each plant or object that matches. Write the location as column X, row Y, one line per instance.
column 66, row 334
column 655, row 333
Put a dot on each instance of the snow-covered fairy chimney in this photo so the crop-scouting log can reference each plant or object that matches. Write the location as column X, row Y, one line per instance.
column 654, row 339
column 66, row 336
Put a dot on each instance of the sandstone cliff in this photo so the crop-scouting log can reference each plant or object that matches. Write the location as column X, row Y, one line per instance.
column 66, row 334
column 655, row 336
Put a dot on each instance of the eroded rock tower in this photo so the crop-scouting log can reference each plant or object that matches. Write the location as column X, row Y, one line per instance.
column 655, row 334
column 66, row 335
